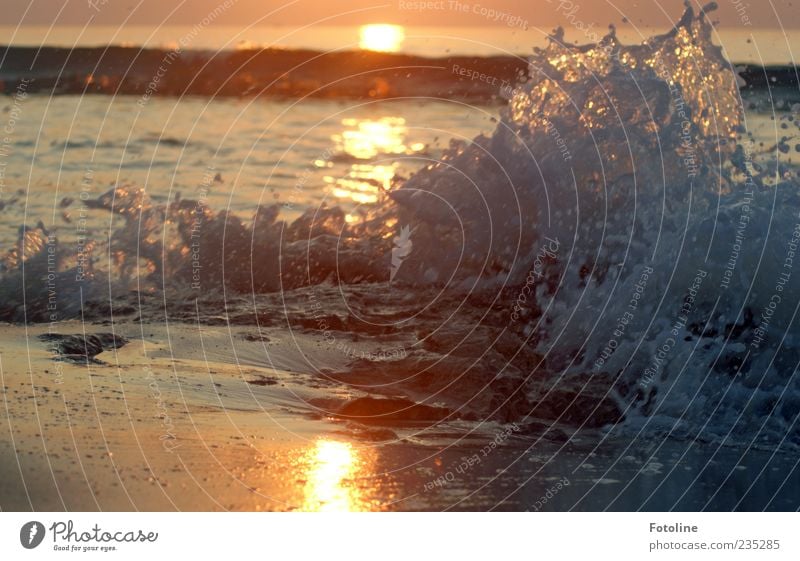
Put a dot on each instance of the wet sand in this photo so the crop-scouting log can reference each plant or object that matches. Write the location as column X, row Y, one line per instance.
column 168, row 423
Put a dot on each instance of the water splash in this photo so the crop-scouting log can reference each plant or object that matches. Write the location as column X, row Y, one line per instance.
column 656, row 313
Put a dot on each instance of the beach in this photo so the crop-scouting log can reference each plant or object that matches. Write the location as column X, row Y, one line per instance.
column 288, row 279
column 146, row 428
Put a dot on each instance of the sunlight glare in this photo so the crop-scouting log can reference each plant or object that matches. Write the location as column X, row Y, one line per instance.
column 333, row 465
column 383, row 37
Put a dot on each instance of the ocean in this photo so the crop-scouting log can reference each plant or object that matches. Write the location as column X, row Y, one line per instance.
column 468, row 274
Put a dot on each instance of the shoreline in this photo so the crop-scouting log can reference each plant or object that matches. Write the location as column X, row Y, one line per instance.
column 291, row 73
column 154, row 427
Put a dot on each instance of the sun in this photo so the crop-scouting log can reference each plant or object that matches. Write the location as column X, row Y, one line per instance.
column 384, row 37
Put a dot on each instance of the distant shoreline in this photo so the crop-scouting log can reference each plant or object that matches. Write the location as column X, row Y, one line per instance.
column 283, row 73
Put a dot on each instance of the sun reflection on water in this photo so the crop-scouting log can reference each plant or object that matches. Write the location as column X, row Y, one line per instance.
column 332, row 468
column 364, row 140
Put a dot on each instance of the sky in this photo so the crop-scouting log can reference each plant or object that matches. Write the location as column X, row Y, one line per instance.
column 642, row 13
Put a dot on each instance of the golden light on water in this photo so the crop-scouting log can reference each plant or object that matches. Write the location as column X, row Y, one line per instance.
column 332, row 467
column 356, row 193
column 383, row 37
column 364, row 140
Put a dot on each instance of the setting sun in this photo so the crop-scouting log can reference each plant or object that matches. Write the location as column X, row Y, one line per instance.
column 422, row 257
column 381, row 37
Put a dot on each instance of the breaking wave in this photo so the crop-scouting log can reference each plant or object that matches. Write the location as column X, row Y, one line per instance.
column 618, row 252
